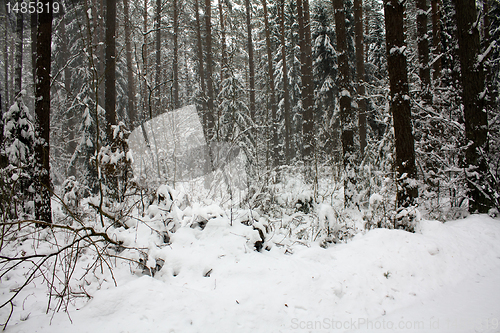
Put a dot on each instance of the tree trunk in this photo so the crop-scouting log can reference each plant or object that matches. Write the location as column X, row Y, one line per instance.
column 347, row 115
column 175, row 65
column 131, row 108
column 251, row 65
column 157, row 92
column 223, row 43
column 272, row 99
column 145, row 91
column 286, row 97
column 34, row 24
column 423, row 52
column 6, row 67
column 210, row 90
column 110, row 73
column 436, row 40
column 476, row 123
column 406, row 171
column 99, row 40
column 200, row 50
column 19, row 54
column 43, row 210
column 201, row 71
column 488, row 70
column 307, row 83
column 3, row 107
column 360, row 72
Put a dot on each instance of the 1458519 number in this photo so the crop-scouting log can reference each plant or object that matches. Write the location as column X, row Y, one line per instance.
column 32, row 7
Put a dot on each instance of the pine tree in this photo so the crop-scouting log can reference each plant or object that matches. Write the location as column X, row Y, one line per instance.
column 406, row 172
column 271, row 90
column 325, row 77
column 360, row 73
column 307, row 93
column 110, row 72
column 347, row 114
column 43, row 210
column 475, row 117
column 131, row 107
column 423, row 52
column 19, row 54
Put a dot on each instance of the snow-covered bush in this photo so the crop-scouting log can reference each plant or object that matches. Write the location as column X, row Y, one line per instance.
column 72, row 194
column 115, row 161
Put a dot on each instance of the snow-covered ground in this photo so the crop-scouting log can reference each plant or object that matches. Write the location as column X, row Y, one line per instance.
column 443, row 278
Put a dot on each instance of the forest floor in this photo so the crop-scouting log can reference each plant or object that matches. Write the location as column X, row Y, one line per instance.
column 445, row 277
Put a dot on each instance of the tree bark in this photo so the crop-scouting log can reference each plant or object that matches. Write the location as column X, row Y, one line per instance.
column 19, row 54
column 251, row 65
column 423, row 52
column 347, row 115
column 43, row 210
column 360, row 72
column 307, row 83
column 223, row 43
column 201, row 71
column 175, row 64
column 476, row 121
column 145, row 91
column 99, row 35
column 110, row 72
column 210, row 90
column 6, row 66
column 286, row 97
column 157, row 92
column 272, row 99
column 34, row 24
column 436, row 40
column 131, row 106
column 406, row 171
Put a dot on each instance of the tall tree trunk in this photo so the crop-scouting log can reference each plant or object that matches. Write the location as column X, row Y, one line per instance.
column 476, row 121
column 6, row 66
column 131, row 107
column 251, row 65
column 199, row 48
column 489, row 73
column 347, row 115
column 436, row 40
column 307, row 83
column 201, row 71
column 110, row 73
column 157, row 92
column 400, row 104
column 223, row 43
column 19, row 54
column 2, row 156
column 98, row 14
column 360, row 72
column 210, row 89
column 286, row 97
column 34, row 24
column 145, row 92
column 43, row 210
column 175, row 65
column 423, row 52
column 272, row 98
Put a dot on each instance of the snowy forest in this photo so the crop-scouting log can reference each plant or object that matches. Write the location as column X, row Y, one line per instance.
column 200, row 161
